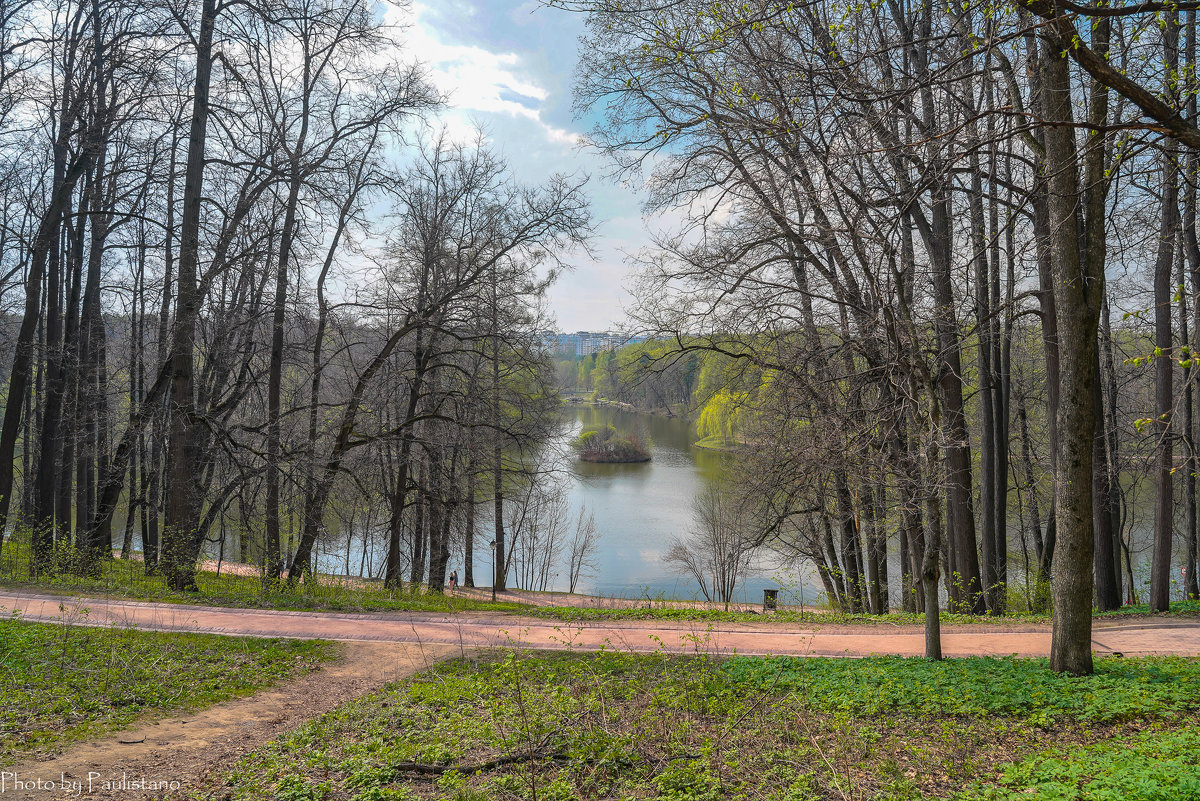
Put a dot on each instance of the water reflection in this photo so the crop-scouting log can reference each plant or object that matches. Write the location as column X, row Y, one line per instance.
column 639, row 508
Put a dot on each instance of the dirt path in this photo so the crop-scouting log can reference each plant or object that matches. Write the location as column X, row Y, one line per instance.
column 487, row 630
column 188, row 748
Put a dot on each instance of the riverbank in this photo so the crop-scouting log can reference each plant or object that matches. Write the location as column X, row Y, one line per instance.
column 241, row 586
column 665, row 411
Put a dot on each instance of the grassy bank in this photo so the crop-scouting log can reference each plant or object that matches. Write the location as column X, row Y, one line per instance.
column 235, row 586
column 127, row 578
column 672, row 728
column 819, row 616
column 68, row 682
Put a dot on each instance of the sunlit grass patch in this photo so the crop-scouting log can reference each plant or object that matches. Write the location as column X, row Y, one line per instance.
column 64, row 682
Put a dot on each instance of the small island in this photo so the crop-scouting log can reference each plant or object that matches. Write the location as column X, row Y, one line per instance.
column 604, row 444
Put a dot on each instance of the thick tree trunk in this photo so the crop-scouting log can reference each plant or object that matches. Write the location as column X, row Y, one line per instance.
column 1077, row 299
column 181, row 536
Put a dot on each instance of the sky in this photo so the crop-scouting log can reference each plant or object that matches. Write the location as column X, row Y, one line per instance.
column 507, row 67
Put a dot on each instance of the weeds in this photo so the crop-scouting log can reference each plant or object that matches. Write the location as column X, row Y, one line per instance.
column 65, row 682
column 671, row 728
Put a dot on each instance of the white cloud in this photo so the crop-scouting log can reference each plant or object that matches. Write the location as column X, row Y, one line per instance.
column 476, row 79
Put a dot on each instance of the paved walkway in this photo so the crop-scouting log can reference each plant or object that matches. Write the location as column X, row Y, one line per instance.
column 484, row 630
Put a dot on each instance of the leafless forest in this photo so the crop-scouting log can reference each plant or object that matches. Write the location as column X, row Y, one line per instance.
column 247, row 282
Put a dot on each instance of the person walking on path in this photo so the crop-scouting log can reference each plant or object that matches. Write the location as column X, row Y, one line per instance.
column 453, row 580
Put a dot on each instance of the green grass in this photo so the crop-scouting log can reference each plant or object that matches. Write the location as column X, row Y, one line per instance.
column 812, row 616
column 62, row 683
column 609, row 726
column 1182, row 608
column 1121, row 689
column 717, row 442
column 1155, row 765
column 127, row 578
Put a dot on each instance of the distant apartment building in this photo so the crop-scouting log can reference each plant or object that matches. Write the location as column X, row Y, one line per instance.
column 585, row 343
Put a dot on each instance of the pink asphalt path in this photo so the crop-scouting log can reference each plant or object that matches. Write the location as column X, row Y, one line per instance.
column 471, row 630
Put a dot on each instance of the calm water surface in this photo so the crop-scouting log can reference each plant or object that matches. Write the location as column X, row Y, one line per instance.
column 639, row 508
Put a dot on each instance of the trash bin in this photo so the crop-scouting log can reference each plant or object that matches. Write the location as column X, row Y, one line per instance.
column 770, row 599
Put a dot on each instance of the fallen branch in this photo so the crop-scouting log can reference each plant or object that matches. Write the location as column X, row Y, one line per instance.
column 478, row 767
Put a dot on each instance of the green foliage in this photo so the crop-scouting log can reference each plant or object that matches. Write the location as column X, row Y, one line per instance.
column 688, row 780
column 723, row 416
column 65, row 682
column 1184, row 608
column 807, row 616
column 297, row 788
column 1153, row 765
column 1121, row 689
column 618, row 725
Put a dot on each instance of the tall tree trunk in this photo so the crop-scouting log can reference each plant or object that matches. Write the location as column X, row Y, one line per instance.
column 469, row 507
column 1164, row 355
column 985, row 325
column 275, row 370
column 1077, row 297
column 1109, row 381
column 49, row 434
column 499, row 564
column 181, row 536
column 1095, row 252
column 95, row 544
column 1002, row 366
column 1192, row 248
column 1185, row 431
column 965, row 578
column 1042, row 234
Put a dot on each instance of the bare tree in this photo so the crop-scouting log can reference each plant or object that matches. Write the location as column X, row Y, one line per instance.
column 717, row 553
column 582, row 549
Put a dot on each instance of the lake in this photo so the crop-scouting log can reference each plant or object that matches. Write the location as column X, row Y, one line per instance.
column 640, row 508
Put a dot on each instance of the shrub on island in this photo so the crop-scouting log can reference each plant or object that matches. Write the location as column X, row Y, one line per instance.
column 604, row 444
